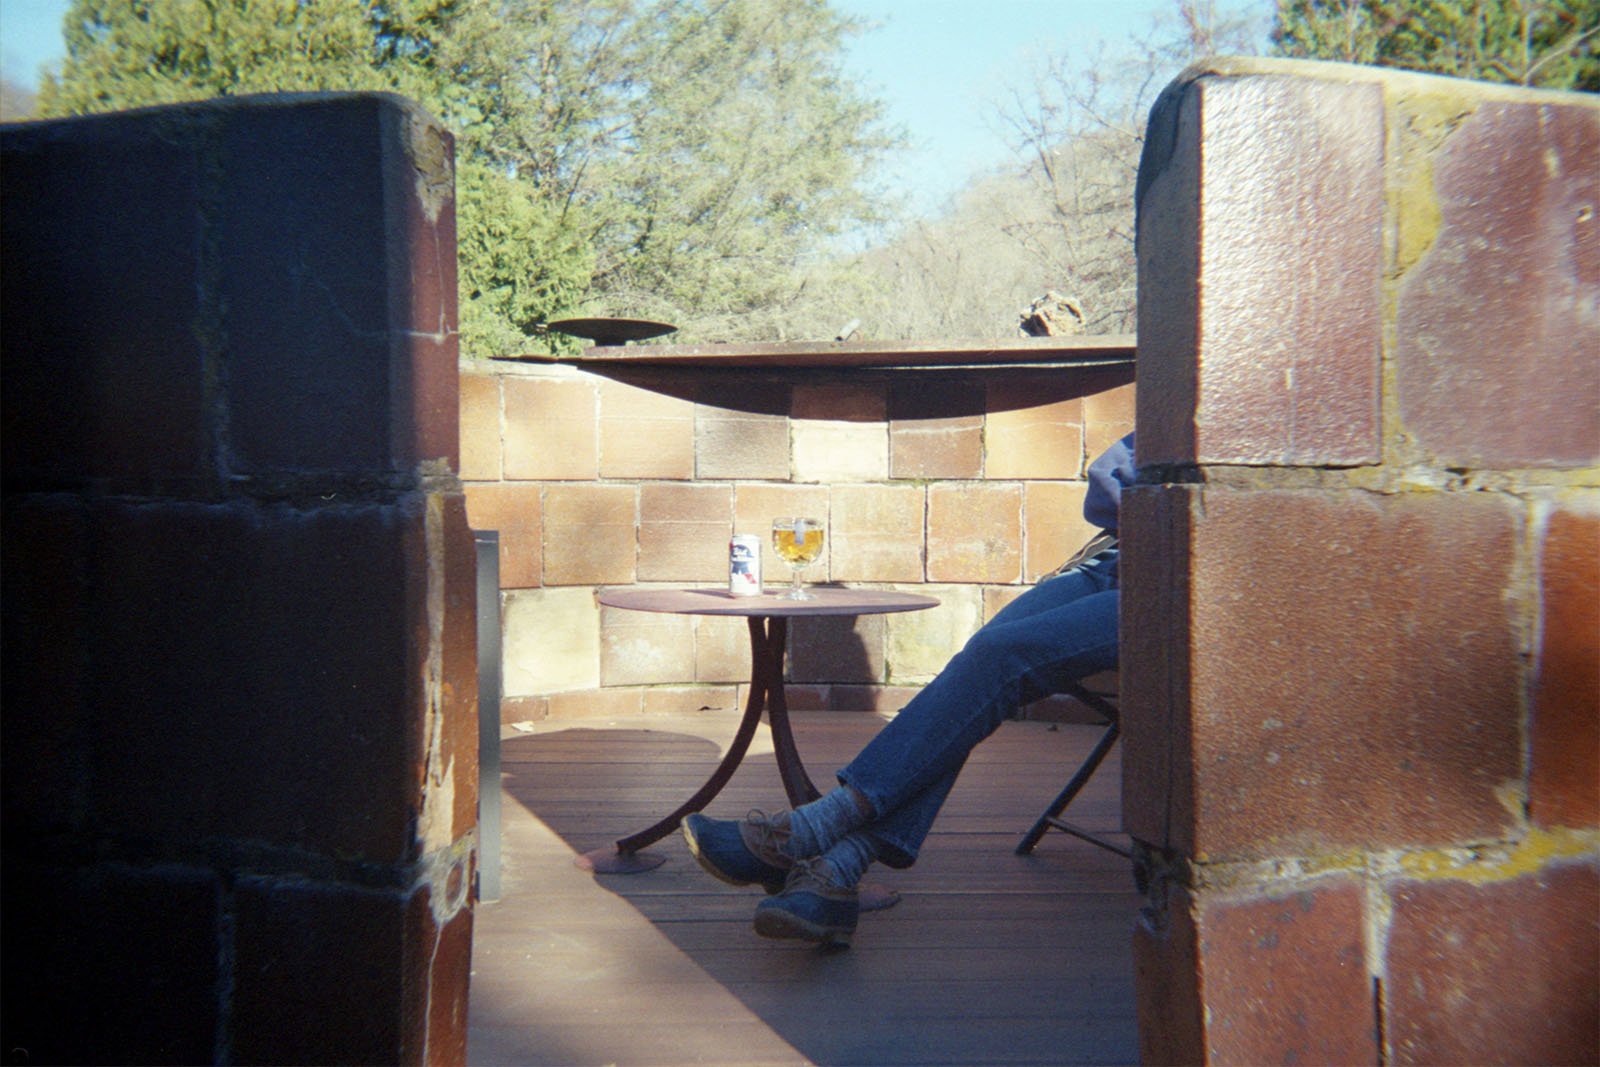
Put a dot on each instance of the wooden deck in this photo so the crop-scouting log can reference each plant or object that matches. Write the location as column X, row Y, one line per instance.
column 989, row 958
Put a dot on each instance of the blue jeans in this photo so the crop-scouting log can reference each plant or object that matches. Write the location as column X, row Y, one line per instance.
column 1062, row 630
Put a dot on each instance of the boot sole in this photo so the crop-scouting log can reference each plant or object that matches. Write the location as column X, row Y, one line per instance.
column 780, row 925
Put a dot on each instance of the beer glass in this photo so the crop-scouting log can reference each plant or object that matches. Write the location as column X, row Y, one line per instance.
column 798, row 542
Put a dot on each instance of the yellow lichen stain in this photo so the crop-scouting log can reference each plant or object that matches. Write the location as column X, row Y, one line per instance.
column 1421, row 123
column 433, row 160
column 1334, row 862
column 1501, row 862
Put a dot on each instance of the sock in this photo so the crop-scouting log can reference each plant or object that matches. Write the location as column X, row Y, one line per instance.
column 849, row 859
column 816, row 827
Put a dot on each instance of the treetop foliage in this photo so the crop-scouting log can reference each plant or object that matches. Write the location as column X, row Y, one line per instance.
column 1552, row 44
column 697, row 161
column 670, row 159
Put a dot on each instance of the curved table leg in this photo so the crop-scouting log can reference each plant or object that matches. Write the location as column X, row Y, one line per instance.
column 625, row 857
column 768, row 636
column 796, row 783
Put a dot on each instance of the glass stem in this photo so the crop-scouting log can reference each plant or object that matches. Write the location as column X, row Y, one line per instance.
column 794, row 583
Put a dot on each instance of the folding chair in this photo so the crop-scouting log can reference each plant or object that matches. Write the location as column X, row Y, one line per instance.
column 1099, row 693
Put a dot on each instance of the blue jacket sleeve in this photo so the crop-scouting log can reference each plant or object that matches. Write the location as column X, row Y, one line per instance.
column 1107, row 475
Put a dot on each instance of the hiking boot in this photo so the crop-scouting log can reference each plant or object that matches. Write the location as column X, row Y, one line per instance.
column 740, row 853
column 810, row 908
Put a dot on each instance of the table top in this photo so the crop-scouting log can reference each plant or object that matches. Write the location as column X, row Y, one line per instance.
column 830, row 600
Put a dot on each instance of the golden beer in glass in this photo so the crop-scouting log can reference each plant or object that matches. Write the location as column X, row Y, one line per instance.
column 798, row 542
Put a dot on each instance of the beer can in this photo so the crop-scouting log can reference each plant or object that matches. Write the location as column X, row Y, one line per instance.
column 744, row 565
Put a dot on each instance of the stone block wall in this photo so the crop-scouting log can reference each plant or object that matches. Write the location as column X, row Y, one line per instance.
column 964, row 486
column 240, row 757
column 1361, row 671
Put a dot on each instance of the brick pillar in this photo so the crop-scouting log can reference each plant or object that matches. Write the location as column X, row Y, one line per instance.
column 240, row 729
column 1361, row 676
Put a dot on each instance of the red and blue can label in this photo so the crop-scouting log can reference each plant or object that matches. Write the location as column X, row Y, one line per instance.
column 744, row 565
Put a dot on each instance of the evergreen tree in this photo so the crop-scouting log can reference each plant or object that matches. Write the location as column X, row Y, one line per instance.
column 680, row 159
column 1553, row 44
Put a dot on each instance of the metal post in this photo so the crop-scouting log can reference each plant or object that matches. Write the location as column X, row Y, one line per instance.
column 488, row 542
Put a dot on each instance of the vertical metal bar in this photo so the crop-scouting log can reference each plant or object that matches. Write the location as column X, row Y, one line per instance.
column 488, row 542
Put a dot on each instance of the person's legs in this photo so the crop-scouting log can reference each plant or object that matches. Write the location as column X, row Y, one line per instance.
column 1060, row 630
column 906, row 771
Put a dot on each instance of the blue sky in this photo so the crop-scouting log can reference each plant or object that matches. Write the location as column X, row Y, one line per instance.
column 941, row 66
column 30, row 35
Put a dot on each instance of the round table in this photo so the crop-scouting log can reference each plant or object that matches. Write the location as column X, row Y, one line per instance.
column 768, row 617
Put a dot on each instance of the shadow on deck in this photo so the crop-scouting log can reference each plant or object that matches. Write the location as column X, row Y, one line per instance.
column 989, row 958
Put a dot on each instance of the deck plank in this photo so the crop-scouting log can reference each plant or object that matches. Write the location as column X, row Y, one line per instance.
column 989, row 958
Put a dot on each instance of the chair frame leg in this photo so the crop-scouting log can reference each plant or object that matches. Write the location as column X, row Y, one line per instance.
column 1052, row 815
column 1051, row 819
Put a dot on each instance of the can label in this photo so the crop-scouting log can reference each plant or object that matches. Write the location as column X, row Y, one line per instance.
column 744, row 565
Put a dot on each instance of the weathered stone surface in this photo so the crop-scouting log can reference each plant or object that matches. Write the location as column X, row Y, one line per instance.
column 1499, row 320
column 552, row 641
column 683, row 532
column 480, row 427
column 591, row 534
column 645, row 648
column 336, row 295
column 550, row 429
column 1260, row 342
column 936, row 432
column 1564, row 728
column 1284, row 976
column 515, row 511
column 750, row 441
column 974, row 532
column 1501, row 972
column 87, row 401
column 1355, row 670
column 1053, row 525
column 233, row 459
column 644, row 434
column 837, row 649
column 1023, row 439
column 1158, row 801
column 917, row 641
column 1350, row 671
column 875, row 534
column 222, row 597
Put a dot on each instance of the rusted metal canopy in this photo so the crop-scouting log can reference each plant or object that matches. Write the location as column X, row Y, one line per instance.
column 611, row 331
